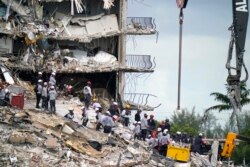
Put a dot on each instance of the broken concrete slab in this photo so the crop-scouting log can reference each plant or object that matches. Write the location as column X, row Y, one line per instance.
column 107, row 24
column 51, row 143
column 81, row 20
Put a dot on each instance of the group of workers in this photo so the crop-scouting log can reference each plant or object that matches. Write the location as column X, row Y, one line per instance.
column 147, row 129
column 46, row 91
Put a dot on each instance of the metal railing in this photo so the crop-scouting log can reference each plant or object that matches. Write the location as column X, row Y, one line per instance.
column 140, row 62
column 141, row 23
column 140, row 99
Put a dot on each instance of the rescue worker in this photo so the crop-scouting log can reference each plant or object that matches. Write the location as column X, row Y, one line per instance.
column 2, row 96
column 158, row 136
column 7, row 97
column 87, row 93
column 114, row 109
column 167, row 125
column 107, row 122
column 52, row 79
column 137, row 130
column 39, row 76
column 70, row 115
column 177, row 137
column 151, row 124
column 151, row 141
column 198, row 142
column 85, row 117
column 144, row 126
column 163, row 142
column 45, row 96
column 96, row 104
column 39, row 90
column 52, row 99
column 126, row 113
column 138, row 115
column 99, row 116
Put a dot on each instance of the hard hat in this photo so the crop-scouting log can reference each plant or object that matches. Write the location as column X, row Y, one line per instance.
column 200, row 134
column 40, row 80
column 52, row 87
column 71, row 109
column 149, row 136
column 127, row 106
column 165, row 131
column 115, row 103
column 6, row 90
column 40, row 73
column 159, row 129
column 53, row 73
column 82, row 108
column 107, row 112
column 139, row 122
column 45, row 83
column 97, row 109
column 178, row 132
column 94, row 99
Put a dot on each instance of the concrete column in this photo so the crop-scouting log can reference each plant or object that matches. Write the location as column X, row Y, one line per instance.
column 122, row 46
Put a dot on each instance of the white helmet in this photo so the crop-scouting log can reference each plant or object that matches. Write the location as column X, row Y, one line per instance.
column 178, row 132
column 165, row 131
column 40, row 80
column 71, row 109
column 159, row 129
column 40, row 73
column 107, row 112
column 200, row 134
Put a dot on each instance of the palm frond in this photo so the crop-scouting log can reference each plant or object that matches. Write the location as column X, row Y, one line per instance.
column 220, row 97
column 220, row 107
column 245, row 101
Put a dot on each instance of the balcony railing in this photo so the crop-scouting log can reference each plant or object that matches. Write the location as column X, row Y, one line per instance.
column 140, row 25
column 141, row 100
column 143, row 62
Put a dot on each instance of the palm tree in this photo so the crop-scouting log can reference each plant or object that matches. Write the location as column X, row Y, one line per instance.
column 225, row 103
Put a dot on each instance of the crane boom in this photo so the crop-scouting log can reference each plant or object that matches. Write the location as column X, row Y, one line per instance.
column 238, row 39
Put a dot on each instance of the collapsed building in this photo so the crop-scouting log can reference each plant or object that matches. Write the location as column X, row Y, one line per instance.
column 79, row 39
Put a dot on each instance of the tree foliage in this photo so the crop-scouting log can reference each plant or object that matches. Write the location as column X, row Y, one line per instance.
column 186, row 121
column 224, row 101
column 225, row 104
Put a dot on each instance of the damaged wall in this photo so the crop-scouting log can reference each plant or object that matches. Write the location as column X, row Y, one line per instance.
column 6, row 44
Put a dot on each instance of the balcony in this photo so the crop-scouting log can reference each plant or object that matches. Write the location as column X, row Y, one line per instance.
column 140, row 26
column 140, row 100
column 140, row 63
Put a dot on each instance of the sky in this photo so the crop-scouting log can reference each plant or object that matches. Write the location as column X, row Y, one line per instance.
column 204, row 53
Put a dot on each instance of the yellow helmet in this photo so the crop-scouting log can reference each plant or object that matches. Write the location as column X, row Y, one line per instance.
column 127, row 106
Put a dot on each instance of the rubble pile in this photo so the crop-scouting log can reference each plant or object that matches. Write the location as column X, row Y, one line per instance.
column 31, row 138
column 52, row 35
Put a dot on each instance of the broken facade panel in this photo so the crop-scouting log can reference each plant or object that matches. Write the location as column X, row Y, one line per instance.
column 72, row 37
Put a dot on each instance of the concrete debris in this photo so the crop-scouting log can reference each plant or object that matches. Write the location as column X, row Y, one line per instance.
column 45, row 142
